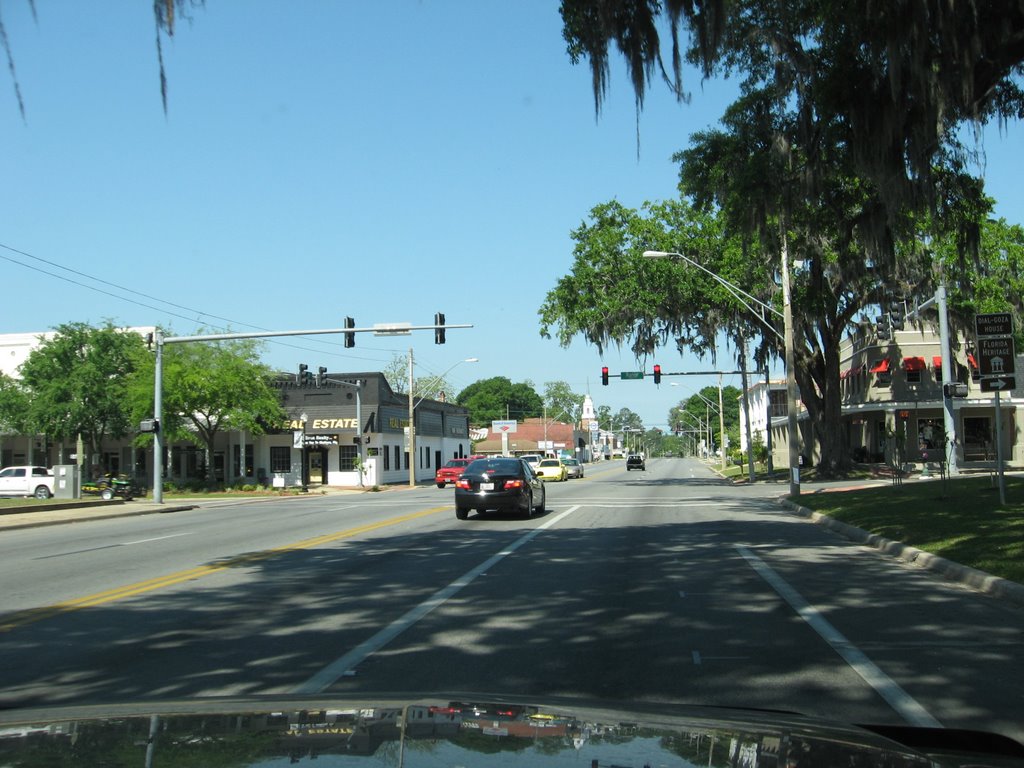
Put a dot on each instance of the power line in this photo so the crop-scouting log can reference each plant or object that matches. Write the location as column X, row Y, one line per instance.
column 190, row 318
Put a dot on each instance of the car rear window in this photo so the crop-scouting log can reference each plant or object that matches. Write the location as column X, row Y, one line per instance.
column 494, row 465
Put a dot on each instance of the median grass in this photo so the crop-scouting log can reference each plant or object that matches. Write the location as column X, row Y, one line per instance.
column 961, row 520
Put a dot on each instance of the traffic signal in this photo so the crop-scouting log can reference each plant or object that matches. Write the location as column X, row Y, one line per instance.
column 321, row 372
column 896, row 321
column 954, row 389
column 350, row 338
column 657, row 374
column 604, row 375
column 303, row 374
column 439, row 332
column 882, row 329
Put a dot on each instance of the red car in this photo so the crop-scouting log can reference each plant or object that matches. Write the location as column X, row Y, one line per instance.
column 451, row 471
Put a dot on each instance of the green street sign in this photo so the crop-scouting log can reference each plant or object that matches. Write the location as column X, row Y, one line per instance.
column 631, row 375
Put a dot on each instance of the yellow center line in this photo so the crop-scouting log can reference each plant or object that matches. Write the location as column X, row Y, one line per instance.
column 32, row 615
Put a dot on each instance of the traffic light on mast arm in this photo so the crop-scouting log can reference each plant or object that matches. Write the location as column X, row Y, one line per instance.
column 604, row 375
column 439, row 332
column 657, row 374
column 350, row 338
column 304, row 374
column 321, row 372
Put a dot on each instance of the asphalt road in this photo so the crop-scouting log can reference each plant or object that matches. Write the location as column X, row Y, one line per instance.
column 664, row 585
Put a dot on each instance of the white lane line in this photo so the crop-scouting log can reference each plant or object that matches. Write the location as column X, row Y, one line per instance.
column 901, row 701
column 340, row 666
column 155, row 538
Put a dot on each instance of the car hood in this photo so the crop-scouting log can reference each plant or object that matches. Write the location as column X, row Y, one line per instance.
column 469, row 731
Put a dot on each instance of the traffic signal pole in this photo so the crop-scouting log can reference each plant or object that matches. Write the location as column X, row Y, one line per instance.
column 382, row 329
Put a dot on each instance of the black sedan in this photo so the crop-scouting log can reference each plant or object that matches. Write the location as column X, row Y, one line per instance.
column 499, row 483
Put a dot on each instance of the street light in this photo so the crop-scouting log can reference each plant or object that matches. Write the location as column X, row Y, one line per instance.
column 759, row 308
column 412, row 412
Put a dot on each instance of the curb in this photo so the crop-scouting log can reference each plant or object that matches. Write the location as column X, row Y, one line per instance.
column 114, row 512
column 995, row 586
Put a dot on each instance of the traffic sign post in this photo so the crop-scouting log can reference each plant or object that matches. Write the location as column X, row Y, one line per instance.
column 996, row 364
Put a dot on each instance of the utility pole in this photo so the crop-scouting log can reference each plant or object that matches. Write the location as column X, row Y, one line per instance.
column 412, row 430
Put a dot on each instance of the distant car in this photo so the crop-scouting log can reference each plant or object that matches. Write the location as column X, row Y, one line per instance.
column 451, row 471
column 552, row 469
column 501, row 483
column 533, row 459
column 573, row 468
column 635, row 461
column 26, row 481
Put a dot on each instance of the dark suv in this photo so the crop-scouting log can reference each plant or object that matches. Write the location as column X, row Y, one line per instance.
column 635, row 461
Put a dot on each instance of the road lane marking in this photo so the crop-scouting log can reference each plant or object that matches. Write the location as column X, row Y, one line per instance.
column 901, row 701
column 344, row 664
column 33, row 615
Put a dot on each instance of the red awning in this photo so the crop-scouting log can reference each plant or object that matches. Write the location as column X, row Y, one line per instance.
column 913, row 364
column 851, row 372
column 881, row 366
column 937, row 361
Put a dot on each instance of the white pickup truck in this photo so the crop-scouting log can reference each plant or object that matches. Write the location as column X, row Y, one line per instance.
column 26, row 481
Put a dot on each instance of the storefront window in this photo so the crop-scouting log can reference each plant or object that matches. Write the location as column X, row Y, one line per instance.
column 280, row 458
column 348, row 457
column 929, row 433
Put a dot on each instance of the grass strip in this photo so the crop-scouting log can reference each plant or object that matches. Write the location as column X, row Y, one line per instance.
column 961, row 520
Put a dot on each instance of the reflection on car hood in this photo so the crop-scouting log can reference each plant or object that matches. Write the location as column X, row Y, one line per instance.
column 467, row 731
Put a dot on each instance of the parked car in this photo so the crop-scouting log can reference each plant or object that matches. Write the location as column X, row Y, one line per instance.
column 504, row 484
column 26, row 481
column 635, row 461
column 552, row 469
column 573, row 468
column 451, row 471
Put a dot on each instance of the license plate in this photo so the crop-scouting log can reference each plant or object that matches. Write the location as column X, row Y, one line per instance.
column 486, row 486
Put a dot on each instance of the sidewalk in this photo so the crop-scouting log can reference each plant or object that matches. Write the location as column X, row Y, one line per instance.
column 14, row 518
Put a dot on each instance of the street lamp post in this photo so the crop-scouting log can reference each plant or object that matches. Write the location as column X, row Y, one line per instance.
column 762, row 310
column 412, row 412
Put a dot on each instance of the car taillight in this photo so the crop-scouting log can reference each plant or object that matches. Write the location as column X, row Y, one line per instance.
column 463, row 484
column 510, row 484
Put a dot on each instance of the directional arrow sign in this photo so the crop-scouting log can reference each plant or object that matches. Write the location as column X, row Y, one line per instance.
column 1000, row 384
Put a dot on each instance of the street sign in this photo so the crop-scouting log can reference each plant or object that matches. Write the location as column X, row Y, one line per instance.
column 998, row 384
column 993, row 324
column 995, row 355
column 504, row 427
column 594, row 426
column 392, row 329
column 631, row 375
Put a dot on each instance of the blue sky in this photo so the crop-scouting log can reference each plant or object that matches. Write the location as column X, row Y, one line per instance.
column 325, row 159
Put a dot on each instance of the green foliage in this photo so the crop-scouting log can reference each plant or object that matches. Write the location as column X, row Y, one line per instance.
column 994, row 282
column 498, row 398
column 14, row 406
column 208, row 387
column 562, row 403
column 77, row 382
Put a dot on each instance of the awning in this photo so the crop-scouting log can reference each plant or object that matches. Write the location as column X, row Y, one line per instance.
column 881, row 366
column 913, row 364
column 937, row 362
column 851, row 372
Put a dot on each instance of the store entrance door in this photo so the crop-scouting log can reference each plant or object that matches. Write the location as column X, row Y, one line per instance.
column 316, row 466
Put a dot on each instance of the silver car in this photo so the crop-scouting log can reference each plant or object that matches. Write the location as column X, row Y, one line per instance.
column 573, row 468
